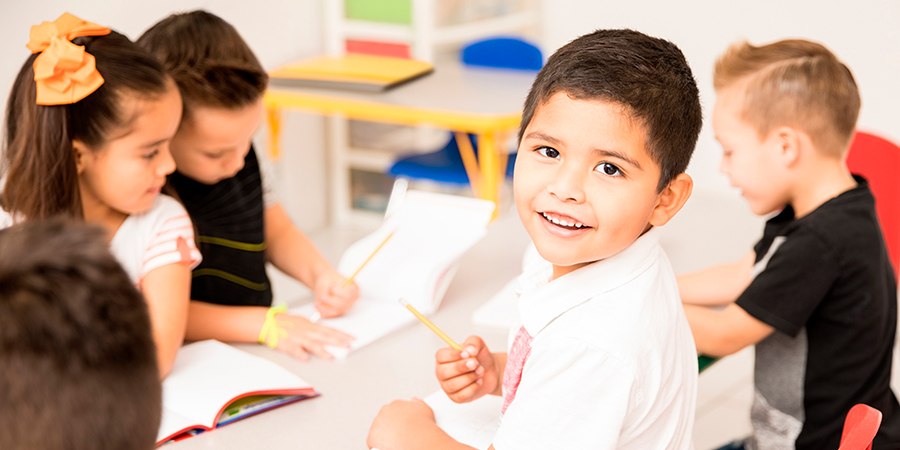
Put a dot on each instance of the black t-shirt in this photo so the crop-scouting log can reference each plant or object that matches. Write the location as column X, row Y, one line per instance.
column 825, row 283
column 228, row 216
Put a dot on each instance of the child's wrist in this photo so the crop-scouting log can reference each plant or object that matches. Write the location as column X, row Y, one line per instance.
column 272, row 330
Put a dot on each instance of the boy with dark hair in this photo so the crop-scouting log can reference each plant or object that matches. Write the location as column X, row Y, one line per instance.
column 603, row 357
column 230, row 196
column 817, row 294
column 78, row 361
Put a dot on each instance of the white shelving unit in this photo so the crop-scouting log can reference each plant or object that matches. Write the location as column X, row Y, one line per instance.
column 427, row 36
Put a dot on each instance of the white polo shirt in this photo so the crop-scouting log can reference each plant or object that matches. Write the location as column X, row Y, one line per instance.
column 603, row 359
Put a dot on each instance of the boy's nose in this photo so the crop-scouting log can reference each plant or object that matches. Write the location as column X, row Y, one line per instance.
column 568, row 185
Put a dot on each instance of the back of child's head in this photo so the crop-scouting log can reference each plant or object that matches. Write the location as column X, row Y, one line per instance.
column 794, row 83
column 648, row 76
column 39, row 161
column 208, row 59
column 78, row 361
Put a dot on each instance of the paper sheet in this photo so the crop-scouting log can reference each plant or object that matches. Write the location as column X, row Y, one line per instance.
column 430, row 233
column 474, row 423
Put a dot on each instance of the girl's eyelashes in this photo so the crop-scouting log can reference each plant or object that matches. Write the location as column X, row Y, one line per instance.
column 548, row 152
column 151, row 154
column 609, row 169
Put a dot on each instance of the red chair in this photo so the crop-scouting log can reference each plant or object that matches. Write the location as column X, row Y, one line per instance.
column 860, row 427
column 878, row 160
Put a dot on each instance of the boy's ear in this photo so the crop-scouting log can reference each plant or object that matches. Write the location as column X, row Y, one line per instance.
column 80, row 153
column 671, row 199
column 788, row 141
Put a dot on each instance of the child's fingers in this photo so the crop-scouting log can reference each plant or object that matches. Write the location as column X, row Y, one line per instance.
column 330, row 336
column 319, row 350
column 296, row 351
column 452, row 369
column 446, row 355
column 456, row 384
column 465, row 394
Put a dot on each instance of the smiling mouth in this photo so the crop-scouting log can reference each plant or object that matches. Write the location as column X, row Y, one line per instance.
column 565, row 223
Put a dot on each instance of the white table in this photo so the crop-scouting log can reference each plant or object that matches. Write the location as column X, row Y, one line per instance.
column 400, row 365
column 711, row 229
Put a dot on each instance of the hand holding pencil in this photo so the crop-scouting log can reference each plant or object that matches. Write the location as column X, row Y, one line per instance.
column 466, row 372
column 338, row 294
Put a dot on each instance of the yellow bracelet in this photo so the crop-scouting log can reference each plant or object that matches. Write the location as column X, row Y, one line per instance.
column 271, row 329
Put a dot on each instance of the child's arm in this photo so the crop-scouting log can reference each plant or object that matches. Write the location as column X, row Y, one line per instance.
column 167, row 290
column 471, row 373
column 465, row 375
column 717, row 285
column 409, row 425
column 293, row 253
column 721, row 333
column 243, row 324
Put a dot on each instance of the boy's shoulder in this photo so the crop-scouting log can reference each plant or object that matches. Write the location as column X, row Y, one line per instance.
column 847, row 223
column 612, row 305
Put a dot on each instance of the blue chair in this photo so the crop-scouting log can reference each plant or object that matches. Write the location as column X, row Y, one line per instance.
column 445, row 165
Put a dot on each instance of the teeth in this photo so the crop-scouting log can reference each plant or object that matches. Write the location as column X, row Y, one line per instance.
column 562, row 222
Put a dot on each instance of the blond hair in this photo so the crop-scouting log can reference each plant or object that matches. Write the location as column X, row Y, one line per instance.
column 794, row 83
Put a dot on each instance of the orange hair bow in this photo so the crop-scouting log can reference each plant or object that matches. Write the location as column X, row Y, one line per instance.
column 64, row 72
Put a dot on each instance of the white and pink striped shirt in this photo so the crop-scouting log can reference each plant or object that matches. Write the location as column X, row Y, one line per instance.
column 160, row 236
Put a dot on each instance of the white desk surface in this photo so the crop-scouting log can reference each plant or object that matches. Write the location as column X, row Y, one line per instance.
column 401, row 365
column 452, row 86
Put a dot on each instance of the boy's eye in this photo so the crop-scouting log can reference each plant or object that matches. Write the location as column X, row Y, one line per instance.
column 608, row 169
column 214, row 155
column 548, row 152
column 150, row 155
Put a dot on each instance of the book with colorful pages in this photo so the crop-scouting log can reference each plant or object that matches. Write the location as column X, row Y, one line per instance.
column 351, row 71
column 214, row 384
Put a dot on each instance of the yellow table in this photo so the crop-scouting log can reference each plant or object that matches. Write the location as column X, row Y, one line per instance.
column 484, row 102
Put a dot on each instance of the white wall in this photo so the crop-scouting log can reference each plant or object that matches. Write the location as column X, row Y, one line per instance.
column 864, row 34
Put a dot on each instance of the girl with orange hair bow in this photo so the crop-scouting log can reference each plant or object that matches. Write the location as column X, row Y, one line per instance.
column 89, row 121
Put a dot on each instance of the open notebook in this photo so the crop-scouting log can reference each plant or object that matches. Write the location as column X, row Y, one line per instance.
column 431, row 232
column 213, row 384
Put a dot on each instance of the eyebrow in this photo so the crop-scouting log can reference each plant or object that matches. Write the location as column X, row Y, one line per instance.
column 596, row 151
column 619, row 155
column 154, row 144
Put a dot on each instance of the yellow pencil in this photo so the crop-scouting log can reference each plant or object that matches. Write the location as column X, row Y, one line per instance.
column 433, row 327
column 316, row 315
column 348, row 281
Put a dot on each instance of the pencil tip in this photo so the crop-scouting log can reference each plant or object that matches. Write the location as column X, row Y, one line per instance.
column 403, row 302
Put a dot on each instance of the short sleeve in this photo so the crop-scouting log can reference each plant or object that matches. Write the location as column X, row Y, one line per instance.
column 572, row 395
column 796, row 277
column 172, row 240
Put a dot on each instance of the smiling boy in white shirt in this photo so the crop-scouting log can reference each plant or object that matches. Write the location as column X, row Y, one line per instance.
column 603, row 357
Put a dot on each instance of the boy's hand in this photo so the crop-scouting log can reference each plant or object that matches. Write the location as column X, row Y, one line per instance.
column 467, row 374
column 304, row 337
column 399, row 425
column 332, row 298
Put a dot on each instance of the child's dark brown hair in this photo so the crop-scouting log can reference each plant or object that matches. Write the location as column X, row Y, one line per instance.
column 210, row 62
column 649, row 76
column 78, row 361
column 39, row 161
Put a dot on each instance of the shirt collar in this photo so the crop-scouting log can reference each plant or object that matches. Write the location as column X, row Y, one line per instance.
column 541, row 301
